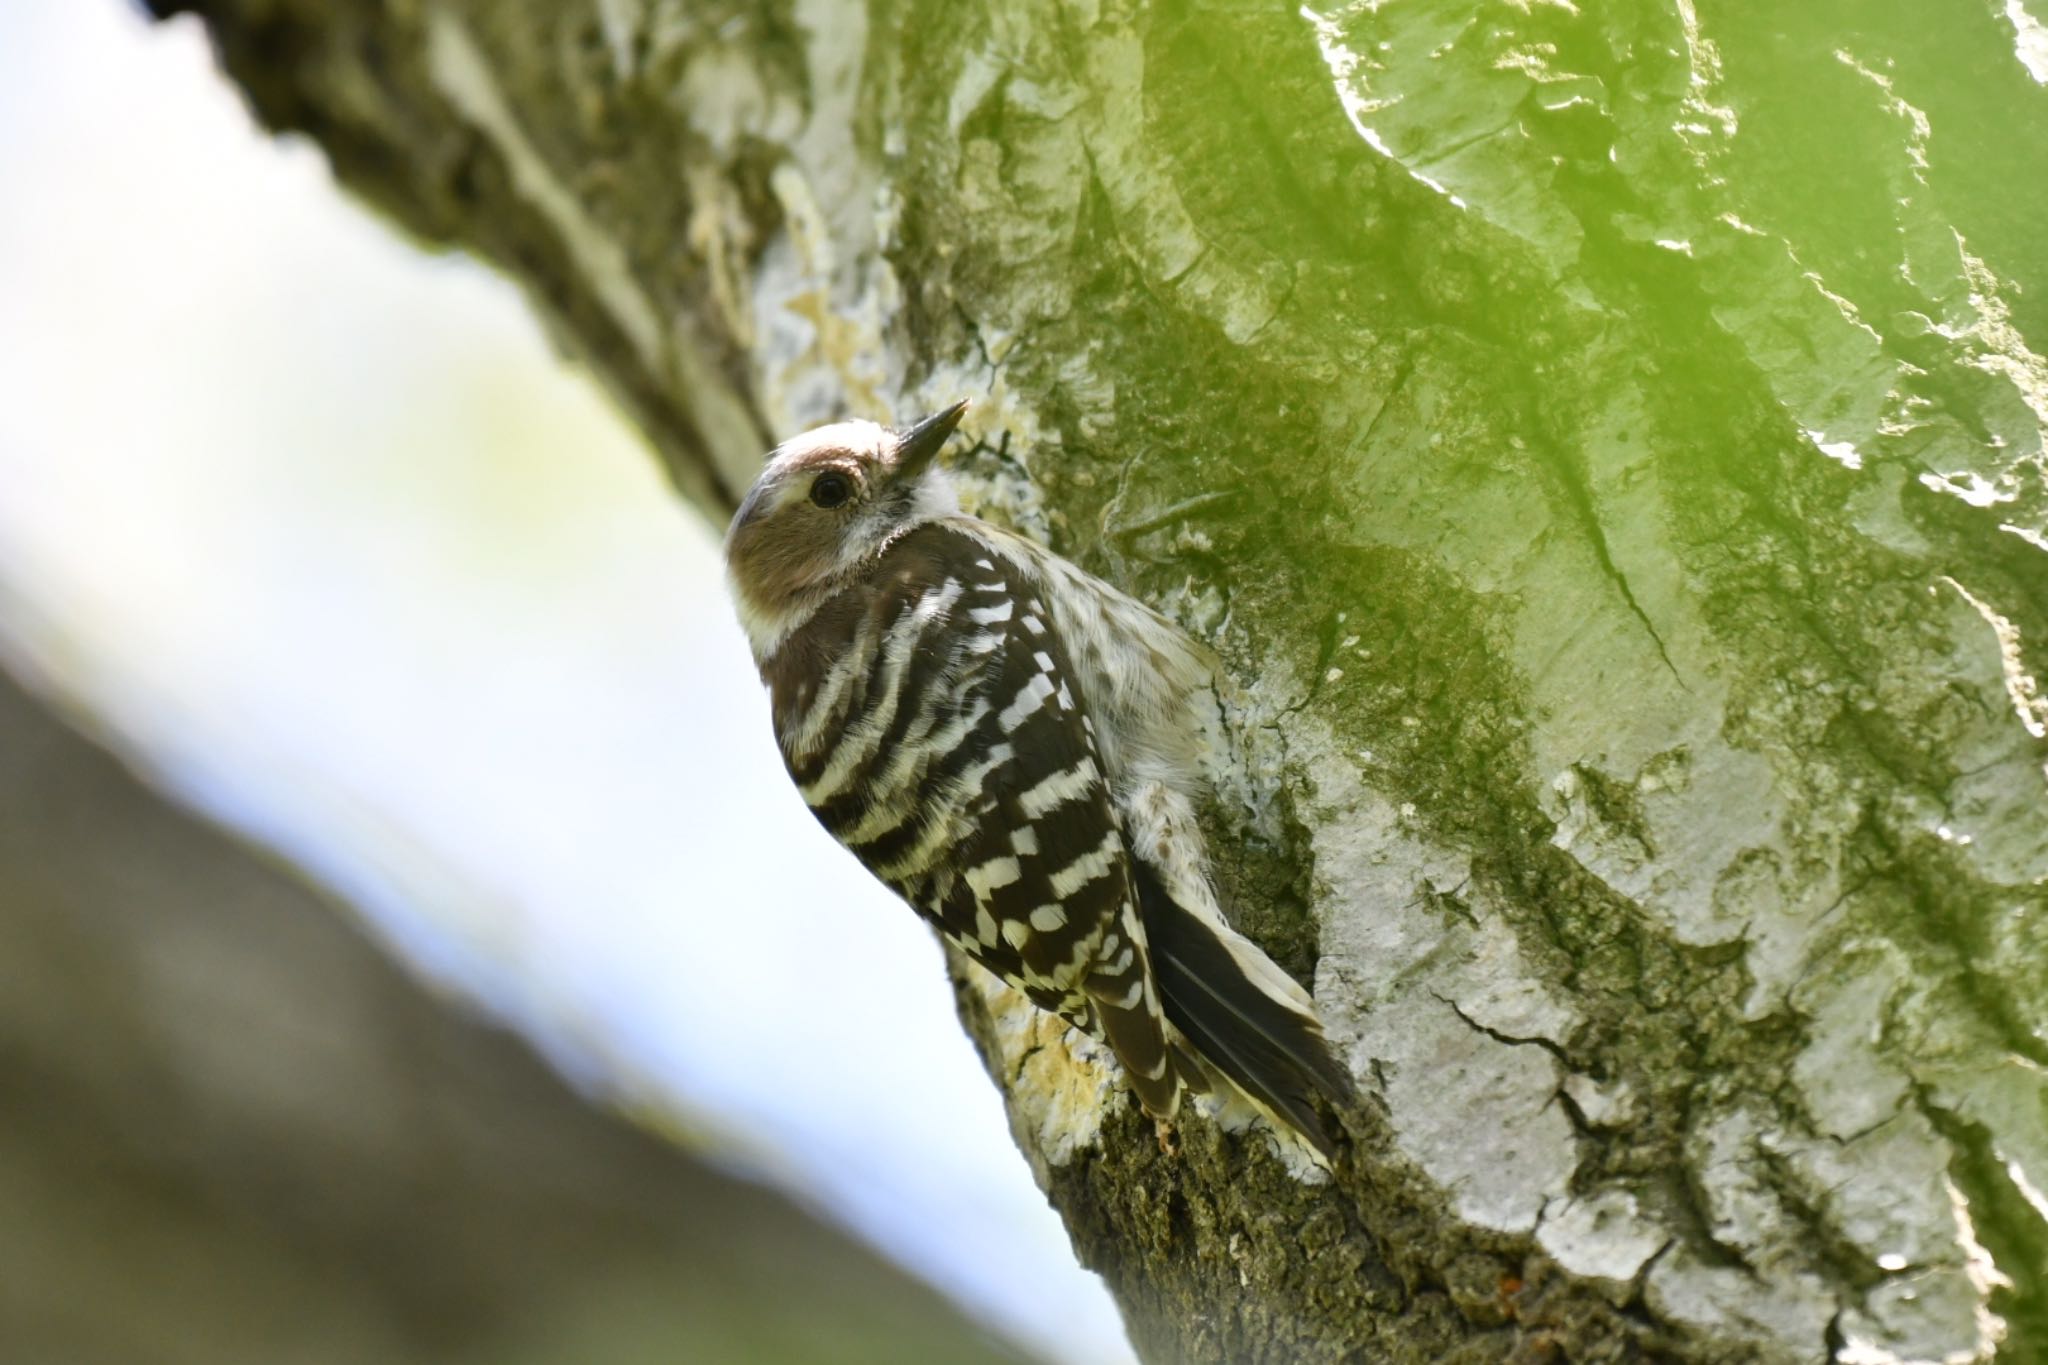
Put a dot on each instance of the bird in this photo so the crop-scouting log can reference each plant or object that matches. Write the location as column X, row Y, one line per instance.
column 1012, row 746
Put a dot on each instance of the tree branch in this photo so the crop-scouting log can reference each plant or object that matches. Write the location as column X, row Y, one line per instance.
column 1509, row 332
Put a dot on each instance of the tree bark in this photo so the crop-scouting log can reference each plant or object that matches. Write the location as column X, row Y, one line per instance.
column 237, row 1133
column 1606, row 445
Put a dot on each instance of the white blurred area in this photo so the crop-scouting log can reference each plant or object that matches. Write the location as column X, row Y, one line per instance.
column 315, row 524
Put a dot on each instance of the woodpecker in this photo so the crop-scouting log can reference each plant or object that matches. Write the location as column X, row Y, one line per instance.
column 1011, row 745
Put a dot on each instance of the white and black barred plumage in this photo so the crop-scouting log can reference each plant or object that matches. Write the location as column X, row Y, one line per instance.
column 1010, row 745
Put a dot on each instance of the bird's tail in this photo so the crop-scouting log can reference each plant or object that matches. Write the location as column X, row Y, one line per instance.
column 1249, row 1021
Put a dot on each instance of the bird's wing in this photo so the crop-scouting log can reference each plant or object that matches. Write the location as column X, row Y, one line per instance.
column 1044, row 894
column 1249, row 1021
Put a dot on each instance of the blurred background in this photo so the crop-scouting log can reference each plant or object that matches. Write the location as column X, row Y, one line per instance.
column 314, row 529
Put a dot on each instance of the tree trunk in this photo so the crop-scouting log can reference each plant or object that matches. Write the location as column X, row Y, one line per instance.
column 1606, row 445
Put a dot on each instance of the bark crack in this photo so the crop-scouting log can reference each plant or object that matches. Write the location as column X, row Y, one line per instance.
column 1581, row 499
column 1549, row 1045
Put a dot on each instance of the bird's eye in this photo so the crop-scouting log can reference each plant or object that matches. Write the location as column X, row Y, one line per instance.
column 831, row 490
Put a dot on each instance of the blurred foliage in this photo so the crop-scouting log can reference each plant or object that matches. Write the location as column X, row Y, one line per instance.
column 236, row 1133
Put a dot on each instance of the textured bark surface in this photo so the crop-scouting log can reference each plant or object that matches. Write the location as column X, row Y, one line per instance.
column 1606, row 444
column 236, row 1133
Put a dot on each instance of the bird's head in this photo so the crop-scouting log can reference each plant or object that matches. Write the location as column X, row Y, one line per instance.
column 828, row 503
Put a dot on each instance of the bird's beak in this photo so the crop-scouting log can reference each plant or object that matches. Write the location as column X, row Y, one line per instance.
column 916, row 447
